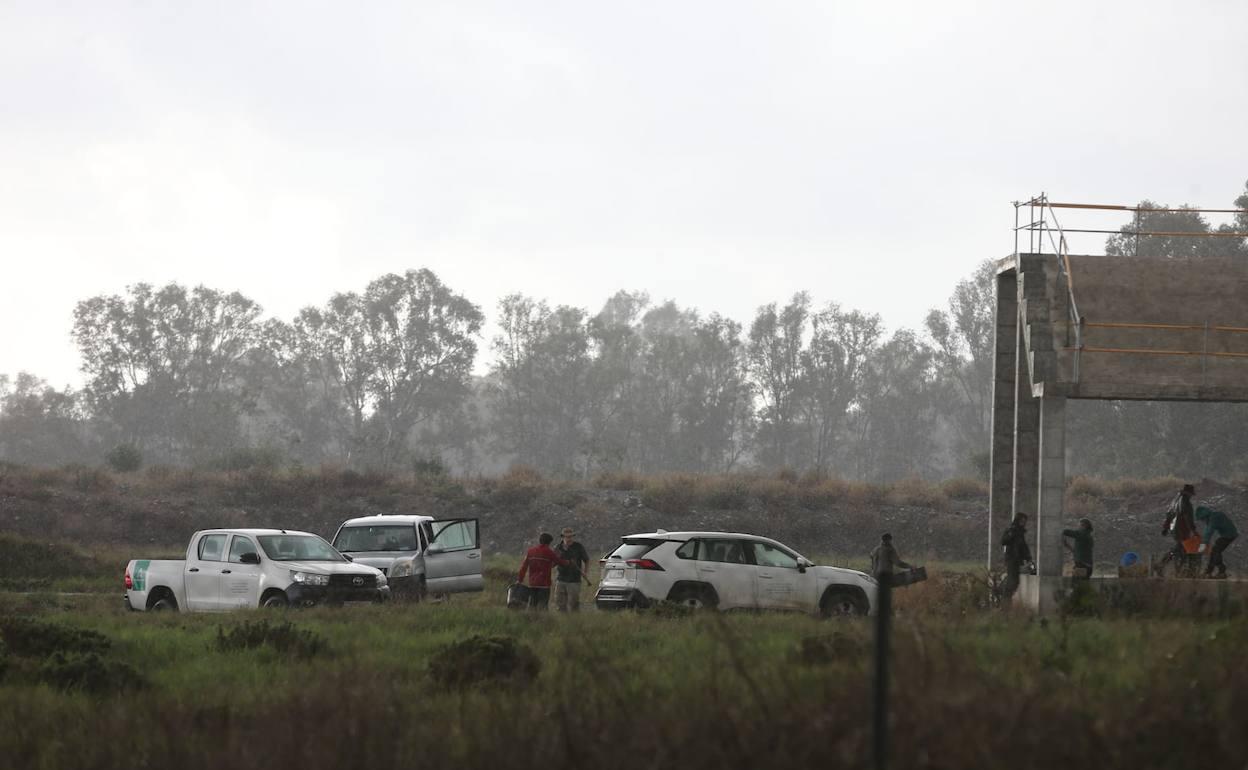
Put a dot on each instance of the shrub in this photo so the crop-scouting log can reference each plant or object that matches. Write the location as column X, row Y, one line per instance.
column 673, row 494
column 86, row 479
column 625, row 481
column 4, row 658
column 829, row 648
column 916, row 491
column 432, row 466
column 962, row 488
column 32, row 638
column 124, row 458
column 520, row 485
column 1086, row 486
column 248, row 458
column 730, row 492
column 283, row 638
column 89, row 672
column 480, row 660
column 1144, row 487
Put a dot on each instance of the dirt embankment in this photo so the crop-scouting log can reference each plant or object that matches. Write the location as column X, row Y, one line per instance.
column 929, row 522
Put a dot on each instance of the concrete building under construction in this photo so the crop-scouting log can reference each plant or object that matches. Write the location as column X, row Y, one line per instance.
column 1096, row 327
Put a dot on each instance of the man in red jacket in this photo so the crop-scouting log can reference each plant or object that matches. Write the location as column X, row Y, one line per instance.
column 538, row 562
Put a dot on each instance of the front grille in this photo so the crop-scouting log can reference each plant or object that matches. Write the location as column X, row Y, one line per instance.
column 348, row 581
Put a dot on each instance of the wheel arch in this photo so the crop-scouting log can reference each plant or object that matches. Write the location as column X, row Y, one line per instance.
column 845, row 588
column 156, row 593
column 694, row 585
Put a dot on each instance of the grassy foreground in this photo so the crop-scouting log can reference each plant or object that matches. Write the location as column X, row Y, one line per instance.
column 354, row 687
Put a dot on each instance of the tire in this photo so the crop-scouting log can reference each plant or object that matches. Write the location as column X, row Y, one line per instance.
column 164, row 604
column 694, row 597
column 275, row 601
column 842, row 602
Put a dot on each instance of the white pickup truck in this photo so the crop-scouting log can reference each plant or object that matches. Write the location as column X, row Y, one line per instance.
column 228, row 569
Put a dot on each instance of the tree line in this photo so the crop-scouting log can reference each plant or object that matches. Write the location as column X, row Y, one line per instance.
column 384, row 379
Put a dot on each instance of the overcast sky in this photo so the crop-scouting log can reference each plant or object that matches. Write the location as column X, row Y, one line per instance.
column 721, row 154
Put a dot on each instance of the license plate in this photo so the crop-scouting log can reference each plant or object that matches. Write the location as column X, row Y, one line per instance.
column 614, row 573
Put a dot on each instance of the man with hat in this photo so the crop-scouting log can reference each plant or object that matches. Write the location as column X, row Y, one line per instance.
column 570, row 574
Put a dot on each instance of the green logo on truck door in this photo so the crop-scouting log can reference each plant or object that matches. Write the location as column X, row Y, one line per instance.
column 139, row 578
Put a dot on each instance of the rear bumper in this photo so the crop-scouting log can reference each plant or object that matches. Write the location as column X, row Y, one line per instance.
column 620, row 599
column 304, row 595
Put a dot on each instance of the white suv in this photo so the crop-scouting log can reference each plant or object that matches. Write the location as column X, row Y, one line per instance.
column 728, row 570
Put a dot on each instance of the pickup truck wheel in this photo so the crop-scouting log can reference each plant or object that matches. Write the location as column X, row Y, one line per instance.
column 842, row 602
column 164, row 604
column 275, row 601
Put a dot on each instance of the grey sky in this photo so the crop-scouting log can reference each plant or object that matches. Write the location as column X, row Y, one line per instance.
column 720, row 154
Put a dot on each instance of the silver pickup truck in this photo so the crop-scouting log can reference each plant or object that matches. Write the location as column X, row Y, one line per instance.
column 228, row 569
column 419, row 554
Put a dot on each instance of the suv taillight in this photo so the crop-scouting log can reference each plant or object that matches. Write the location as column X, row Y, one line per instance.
column 644, row 564
column 129, row 582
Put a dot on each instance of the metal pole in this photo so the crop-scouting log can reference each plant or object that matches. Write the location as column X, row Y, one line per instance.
column 883, row 631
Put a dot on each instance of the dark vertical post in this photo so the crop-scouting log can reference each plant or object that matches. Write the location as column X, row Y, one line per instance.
column 883, row 645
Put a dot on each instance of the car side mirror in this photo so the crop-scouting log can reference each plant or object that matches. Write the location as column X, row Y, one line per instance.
column 434, row 548
column 251, row 557
column 803, row 563
column 348, row 557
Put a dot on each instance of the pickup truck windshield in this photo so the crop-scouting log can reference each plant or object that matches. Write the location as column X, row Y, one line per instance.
column 298, row 548
column 390, row 537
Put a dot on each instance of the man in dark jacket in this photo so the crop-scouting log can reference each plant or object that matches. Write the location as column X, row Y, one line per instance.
column 884, row 558
column 568, row 578
column 1180, row 525
column 538, row 563
column 1017, row 553
column 1082, row 548
column 1220, row 532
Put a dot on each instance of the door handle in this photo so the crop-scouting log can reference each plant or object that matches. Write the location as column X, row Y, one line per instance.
column 708, row 569
column 193, row 569
column 474, row 556
column 225, row 572
column 764, row 577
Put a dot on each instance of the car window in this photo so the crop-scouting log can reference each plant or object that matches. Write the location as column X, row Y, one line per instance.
column 634, row 548
column 767, row 555
column 454, row 535
column 239, row 546
column 387, row 537
column 211, row 547
column 298, row 548
column 725, row 551
column 689, row 550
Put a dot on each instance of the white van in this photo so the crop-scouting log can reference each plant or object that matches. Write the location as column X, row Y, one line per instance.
column 418, row 554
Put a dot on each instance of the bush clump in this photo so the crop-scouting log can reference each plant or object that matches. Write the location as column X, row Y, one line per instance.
column 283, row 638
column 90, row 673
column 124, row 458
column 521, row 485
column 828, row 648
column 480, row 660
column 32, row 638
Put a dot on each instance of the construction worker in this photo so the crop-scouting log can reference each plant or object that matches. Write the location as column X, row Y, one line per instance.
column 1220, row 532
column 537, row 565
column 1017, row 554
column 1082, row 548
column 884, row 557
column 1180, row 525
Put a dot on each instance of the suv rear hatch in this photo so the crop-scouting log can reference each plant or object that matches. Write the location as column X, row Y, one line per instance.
column 619, row 569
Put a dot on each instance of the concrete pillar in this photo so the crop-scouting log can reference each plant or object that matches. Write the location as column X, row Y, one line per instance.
column 1004, row 394
column 1026, row 435
column 1051, row 490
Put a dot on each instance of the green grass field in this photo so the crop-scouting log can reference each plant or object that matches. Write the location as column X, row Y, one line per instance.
column 354, row 687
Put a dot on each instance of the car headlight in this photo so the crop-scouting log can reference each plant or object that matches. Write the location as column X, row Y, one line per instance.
column 381, row 579
column 401, row 569
column 309, row 578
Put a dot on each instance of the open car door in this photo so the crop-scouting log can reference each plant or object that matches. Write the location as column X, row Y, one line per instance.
column 453, row 556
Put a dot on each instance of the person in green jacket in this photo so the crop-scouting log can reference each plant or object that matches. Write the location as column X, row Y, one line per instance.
column 1082, row 547
column 1220, row 532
